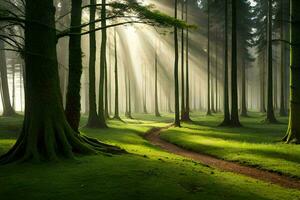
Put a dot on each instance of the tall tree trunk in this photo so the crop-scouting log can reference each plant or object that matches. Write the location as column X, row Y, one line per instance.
column 226, row 120
column 117, row 115
column 101, row 108
column 283, row 111
column 216, row 79
column 73, row 105
column 176, row 81
column 145, row 91
column 270, row 104
column 46, row 134
column 182, row 65
column 13, row 84
column 234, row 91
column 129, row 115
column 262, row 84
column 8, row 110
column 293, row 132
column 157, row 114
column 208, row 60
column 244, row 112
column 93, row 119
column 21, row 86
column 186, row 116
column 106, row 91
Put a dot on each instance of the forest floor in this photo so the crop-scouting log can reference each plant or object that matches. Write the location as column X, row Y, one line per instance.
column 147, row 172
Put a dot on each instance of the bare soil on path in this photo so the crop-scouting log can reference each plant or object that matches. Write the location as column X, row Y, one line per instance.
column 153, row 136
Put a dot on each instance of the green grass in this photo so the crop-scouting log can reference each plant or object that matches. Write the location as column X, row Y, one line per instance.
column 145, row 173
column 256, row 144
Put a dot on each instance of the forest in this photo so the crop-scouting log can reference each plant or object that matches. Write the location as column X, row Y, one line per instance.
column 150, row 99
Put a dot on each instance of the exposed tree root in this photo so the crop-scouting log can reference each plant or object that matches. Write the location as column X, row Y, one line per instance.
column 291, row 137
column 51, row 141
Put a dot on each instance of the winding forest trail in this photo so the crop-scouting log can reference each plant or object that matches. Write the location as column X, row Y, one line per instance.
column 153, row 136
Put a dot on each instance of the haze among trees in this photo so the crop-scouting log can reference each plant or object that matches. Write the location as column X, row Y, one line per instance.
column 169, row 99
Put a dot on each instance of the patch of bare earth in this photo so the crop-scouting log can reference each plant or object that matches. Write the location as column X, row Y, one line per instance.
column 153, row 136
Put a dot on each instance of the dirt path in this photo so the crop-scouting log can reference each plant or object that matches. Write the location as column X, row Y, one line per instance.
column 153, row 137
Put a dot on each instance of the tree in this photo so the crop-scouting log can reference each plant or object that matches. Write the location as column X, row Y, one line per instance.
column 73, row 105
column 157, row 114
column 93, row 119
column 270, row 105
column 208, row 60
column 244, row 112
column 101, row 108
column 116, row 116
column 226, row 120
column 176, row 82
column 182, row 64
column 8, row 110
column 293, row 131
column 283, row 111
column 234, row 93
column 186, row 115
column 128, row 94
column 145, row 91
column 46, row 134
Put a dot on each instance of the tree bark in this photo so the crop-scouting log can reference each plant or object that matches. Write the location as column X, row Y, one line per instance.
column 208, row 60
column 101, row 108
column 234, row 91
column 182, row 66
column 244, row 112
column 117, row 115
column 176, row 81
column 270, row 103
column 226, row 120
column 93, row 119
column 293, row 132
column 46, row 134
column 262, row 84
column 73, row 105
column 186, row 116
column 157, row 114
column 283, row 111
column 145, row 91
column 8, row 110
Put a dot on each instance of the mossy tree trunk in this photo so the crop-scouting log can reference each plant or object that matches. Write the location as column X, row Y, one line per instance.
column 270, row 102
column 46, row 134
column 176, row 79
column 226, row 120
column 8, row 110
column 101, row 108
column 73, row 105
column 93, row 119
column 234, row 90
column 293, row 132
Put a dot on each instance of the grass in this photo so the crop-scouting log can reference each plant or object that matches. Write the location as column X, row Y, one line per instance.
column 145, row 173
column 255, row 144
